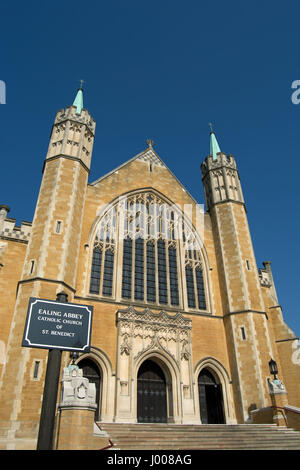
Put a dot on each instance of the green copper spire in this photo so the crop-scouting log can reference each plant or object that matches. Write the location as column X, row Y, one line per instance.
column 78, row 102
column 214, row 146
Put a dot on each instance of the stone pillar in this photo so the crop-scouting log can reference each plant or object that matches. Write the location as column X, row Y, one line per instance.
column 75, row 425
column 279, row 400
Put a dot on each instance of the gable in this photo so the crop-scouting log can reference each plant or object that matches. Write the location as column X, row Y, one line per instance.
column 147, row 167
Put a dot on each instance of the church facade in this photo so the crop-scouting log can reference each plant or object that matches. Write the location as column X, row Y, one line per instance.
column 184, row 323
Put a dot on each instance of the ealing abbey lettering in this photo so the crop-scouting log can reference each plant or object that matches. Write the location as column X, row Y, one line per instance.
column 57, row 317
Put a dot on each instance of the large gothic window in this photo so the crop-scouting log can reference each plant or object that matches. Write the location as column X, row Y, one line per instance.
column 160, row 260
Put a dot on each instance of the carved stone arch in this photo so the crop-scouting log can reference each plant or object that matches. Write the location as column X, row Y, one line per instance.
column 172, row 375
column 107, row 381
column 221, row 377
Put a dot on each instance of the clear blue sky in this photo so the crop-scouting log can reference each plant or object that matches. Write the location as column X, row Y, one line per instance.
column 163, row 70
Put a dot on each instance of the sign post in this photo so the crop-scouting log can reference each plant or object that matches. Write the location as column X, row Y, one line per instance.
column 57, row 326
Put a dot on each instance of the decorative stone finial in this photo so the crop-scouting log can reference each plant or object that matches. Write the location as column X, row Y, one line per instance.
column 150, row 143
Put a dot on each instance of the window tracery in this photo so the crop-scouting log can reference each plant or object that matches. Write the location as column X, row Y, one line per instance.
column 159, row 254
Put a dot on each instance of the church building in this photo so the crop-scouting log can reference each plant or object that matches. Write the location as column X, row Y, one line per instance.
column 184, row 322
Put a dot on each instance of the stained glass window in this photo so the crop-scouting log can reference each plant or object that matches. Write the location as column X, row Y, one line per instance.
column 127, row 268
column 96, row 271
column 160, row 257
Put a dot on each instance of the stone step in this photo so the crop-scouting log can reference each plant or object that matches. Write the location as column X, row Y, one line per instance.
column 183, row 437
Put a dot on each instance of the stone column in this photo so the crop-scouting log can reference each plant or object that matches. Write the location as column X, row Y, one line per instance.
column 75, row 425
column 279, row 399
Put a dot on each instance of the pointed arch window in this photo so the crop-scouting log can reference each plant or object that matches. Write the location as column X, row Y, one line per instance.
column 159, row 257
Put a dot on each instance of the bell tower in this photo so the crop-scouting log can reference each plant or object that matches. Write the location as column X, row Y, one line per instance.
column 245, row 319
column 51, row 259
column 56, row 230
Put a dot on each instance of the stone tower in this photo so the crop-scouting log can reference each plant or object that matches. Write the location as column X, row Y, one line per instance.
column 51, row 259
column 248, row 340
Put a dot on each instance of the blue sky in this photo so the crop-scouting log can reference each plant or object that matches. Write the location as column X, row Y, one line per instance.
column 163, row 70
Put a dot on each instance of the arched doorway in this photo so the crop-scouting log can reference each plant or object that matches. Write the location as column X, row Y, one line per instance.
column 210, row 399
column 91, row 371
column 151, row 394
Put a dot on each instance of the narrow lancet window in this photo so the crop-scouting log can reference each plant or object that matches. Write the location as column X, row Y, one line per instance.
column 151, row 289
column 108, row 273
column 200, row 289
column 139, row 270
column 162, row 272
column 96, row 271
column 173, row 276
column 190, row 287
column 127, row 268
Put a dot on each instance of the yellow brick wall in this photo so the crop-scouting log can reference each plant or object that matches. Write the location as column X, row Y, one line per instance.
column 12, row 260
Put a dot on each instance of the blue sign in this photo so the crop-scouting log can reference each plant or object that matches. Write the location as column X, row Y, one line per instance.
column 58, row 325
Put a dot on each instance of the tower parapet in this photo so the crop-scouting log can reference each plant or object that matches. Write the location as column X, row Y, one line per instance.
column 221, row 180
column 72, row 135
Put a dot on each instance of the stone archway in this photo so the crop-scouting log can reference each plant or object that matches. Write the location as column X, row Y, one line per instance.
column 166, row 340
column 106, row 395
column 210, row 398
column 92, row 372
column 220, row 378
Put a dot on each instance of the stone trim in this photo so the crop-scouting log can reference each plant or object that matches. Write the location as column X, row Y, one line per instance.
column 288, row 339
column 43, row 279
column 154, row 306
column 2, row 237
column 68, row 157
column 147, row 316
column 245, row 311
column 226, row 201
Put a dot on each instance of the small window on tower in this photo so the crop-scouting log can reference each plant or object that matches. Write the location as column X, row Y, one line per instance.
column 36, row 369
column 31, row 266
column 248, row 264
column 243, row 334
column 58, row 226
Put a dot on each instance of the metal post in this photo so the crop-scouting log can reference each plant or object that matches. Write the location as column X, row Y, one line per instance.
column 47, row 419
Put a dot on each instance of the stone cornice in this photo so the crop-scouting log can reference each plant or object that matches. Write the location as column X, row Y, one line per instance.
column 240, row 312
column 43, row 279
column 68, row 157
column 160, row 319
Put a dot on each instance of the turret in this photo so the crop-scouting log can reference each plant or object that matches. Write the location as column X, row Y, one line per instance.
column 73, row 133
column 245, row 318
column 52, row 253
column 220, row 176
